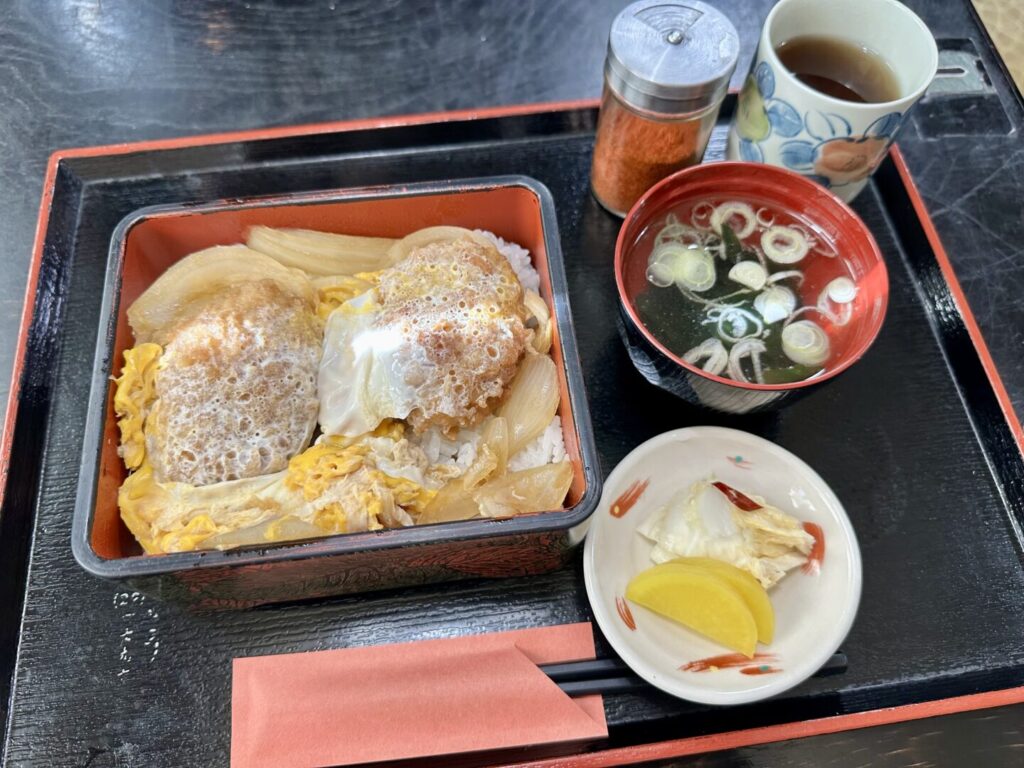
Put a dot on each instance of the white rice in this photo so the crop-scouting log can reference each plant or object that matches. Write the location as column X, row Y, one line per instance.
column 547, row 448
column 458, row 452
column 518, row 257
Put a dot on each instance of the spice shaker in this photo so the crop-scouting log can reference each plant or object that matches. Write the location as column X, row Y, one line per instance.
column 666, row 73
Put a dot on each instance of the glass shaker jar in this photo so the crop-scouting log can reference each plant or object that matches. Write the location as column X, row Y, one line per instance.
column 666, row 73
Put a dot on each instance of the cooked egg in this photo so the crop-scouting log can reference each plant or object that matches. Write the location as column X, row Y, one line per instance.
column 435, row 342
column 176, row 517
column 339, row 485
column 135, row 393
column 361, row 379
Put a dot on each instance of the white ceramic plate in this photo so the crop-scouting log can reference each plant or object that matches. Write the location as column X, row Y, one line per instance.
column 813, row 611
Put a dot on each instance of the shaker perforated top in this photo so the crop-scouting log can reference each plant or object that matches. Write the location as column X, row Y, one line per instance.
column 671, row 57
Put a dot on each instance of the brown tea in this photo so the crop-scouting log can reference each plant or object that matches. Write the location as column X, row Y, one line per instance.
column 839, row 69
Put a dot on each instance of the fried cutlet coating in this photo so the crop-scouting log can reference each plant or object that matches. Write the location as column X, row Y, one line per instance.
column 460, row 306
column 236, row 389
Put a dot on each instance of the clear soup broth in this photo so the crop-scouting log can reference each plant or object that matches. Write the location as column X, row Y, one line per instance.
column 745, row 291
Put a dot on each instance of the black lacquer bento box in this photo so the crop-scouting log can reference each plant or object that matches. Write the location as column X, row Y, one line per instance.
column 147, row 242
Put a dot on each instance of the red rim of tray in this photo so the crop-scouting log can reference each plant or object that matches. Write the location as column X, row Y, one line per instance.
column 663, row 748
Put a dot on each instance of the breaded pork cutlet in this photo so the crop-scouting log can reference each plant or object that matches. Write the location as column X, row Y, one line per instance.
column 459, row 308
column 236, row 389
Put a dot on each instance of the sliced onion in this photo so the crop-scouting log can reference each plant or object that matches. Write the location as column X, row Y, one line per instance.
column 532, row 400
column 713, row 352
column 775, row 303
column 752, row 348
column 749, row 273
column 724, row 212
column 784, row 245
column 192, row 280
column 805, row 343
column 842, row 290
column 400, row 249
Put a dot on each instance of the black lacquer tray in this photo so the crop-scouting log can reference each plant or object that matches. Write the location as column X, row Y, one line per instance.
column 914, row 440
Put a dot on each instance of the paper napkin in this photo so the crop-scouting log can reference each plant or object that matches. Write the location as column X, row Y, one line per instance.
column 407, row 700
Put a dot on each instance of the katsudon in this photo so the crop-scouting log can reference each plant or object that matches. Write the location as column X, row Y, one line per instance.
column 309, row 384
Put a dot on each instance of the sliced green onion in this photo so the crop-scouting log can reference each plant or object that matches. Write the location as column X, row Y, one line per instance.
column 712, row 351
column 775, row 303
column 662, row 264
column 805, row 343
column 666, row 253
column 701, row 215
column 750, row 274
column 752, row 348
column 726, row 211
column 735, row 324
column 695, row 270
column 784, row 245
column 716, row 303
column 842, row 290
column 777, row 276
column 838, row 293
column 675, row 232
column 660, row 274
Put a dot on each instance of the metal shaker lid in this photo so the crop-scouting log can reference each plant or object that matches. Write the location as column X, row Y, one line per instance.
column 672, row 57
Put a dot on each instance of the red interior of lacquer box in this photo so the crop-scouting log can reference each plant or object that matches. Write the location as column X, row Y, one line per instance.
column 158, row 240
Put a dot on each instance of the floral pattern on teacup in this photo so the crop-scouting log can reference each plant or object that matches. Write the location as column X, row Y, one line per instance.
column 821, row 145
column 760, row 116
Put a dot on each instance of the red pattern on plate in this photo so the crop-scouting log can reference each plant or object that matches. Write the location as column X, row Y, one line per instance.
column 739, row 462
column 737, row 499
column 817, row 555
column 629, row 497
column 763, row 669
column 624, row 613
column 725, row 661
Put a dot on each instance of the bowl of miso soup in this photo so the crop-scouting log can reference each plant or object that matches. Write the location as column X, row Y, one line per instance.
column 743, row 285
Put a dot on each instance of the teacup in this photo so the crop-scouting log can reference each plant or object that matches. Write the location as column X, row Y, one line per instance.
column 782, row 121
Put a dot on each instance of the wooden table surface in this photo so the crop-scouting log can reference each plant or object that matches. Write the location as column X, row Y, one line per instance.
column 83, row 72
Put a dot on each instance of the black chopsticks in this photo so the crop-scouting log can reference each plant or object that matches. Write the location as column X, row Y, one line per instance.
column 611, row 675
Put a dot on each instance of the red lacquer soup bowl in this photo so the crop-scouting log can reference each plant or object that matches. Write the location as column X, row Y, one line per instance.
column 841, row 245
